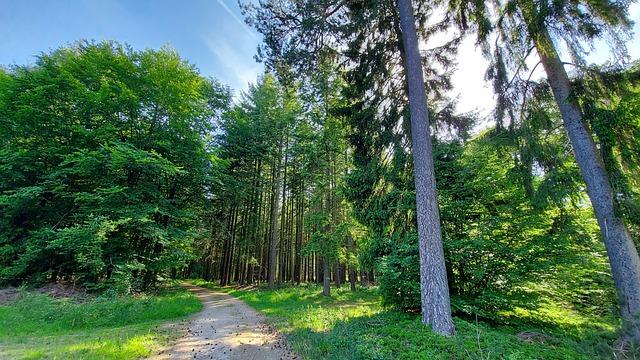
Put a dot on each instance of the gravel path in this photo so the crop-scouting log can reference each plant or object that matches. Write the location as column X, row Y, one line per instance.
column 227, row 328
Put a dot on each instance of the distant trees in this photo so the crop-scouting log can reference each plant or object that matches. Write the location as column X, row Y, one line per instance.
column 371, row 43
column 277, row 213
column 104, row 162
column 118, row 168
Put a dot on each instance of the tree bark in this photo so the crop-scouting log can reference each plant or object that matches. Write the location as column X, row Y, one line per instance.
column 299, row 229
column 623, row 255
column 326, row 277
column 283, row 222
column 352, row 270
column 274, row 221
column 436, row 308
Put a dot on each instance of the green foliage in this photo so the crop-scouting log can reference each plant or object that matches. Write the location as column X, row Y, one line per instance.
column 284, row 152
column 253, row 146
column 103, row 164
column 400, row 275
column 37, row 326
column 611, row 99
column 497, row 238
column 119, row 168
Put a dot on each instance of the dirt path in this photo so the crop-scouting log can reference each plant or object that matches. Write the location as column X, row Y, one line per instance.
column 227, row 328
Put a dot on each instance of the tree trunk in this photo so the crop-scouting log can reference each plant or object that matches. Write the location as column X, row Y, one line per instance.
column 283, row 221
column 326, row 277
column 623, row 255
column 352, row 271
column 299, row 228
column 318, row 268
column 436, row 308
column 274, row 220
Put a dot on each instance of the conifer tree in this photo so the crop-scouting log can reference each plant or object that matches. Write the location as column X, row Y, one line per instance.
column 527, row 25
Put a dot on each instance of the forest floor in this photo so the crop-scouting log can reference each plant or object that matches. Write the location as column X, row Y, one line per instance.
column 55, row 322
column 227, row 328
column 224, row 325
column 356, row 325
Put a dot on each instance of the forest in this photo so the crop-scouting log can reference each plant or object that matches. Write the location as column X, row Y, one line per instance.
column 342, row 195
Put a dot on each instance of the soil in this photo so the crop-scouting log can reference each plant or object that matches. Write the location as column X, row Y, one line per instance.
column 9, row 294
column 61, row 290
column 54, row 290
column 227, row 328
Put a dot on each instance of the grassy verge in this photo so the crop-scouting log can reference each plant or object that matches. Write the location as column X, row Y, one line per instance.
column 39, row 327
column 356, row 326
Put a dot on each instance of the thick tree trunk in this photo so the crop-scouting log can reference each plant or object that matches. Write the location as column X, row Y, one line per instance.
column 623, row 255
column 436, row 308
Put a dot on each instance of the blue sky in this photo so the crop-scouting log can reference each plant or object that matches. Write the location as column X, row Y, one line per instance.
column 208, row 33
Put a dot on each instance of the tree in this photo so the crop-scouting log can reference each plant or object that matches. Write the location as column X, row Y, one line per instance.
column 436, row 309
column 520, row 24
column 277, row 206
column 608, row 96
column 98, row 190
column 275, row 193
column 623, row 255
column 368, row 40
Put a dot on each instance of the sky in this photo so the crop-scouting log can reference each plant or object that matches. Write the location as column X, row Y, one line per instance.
column 210, row 34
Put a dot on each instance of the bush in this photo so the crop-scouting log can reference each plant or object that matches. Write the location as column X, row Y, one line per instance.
column 399, row 275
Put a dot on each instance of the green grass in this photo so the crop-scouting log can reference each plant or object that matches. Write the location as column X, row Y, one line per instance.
column 356, row 326
column 39, row 327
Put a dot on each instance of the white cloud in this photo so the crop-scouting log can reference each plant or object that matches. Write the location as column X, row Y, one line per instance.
column 236, row 18
column 239, row 70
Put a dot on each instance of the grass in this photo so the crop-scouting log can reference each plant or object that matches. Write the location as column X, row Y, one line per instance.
column 356, row 326
column 38, row 327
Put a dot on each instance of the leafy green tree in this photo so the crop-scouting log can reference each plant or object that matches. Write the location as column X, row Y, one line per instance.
column 104, row 161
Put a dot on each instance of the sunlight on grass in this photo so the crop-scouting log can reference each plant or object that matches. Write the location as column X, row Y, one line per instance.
column 356, row 326
column 37, row 327
column 130, row 342
column 117, row 348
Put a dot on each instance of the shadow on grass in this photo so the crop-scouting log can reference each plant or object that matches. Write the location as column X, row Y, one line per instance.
column 390, row 334
column 356, row 326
